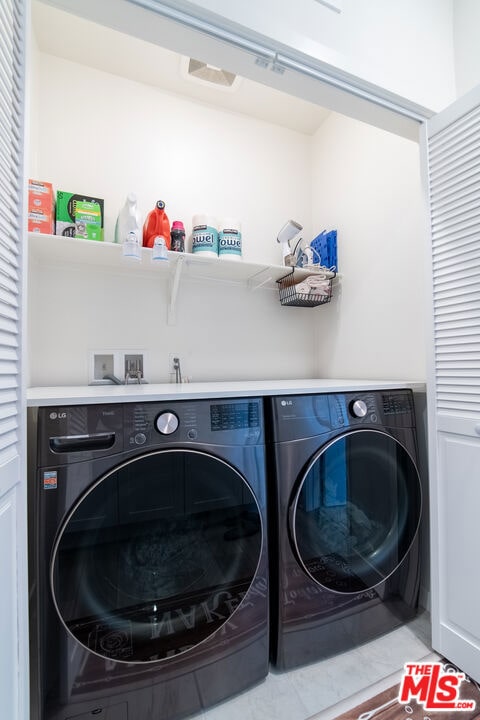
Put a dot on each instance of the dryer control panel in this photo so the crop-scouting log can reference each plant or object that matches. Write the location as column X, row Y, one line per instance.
column 304, row 416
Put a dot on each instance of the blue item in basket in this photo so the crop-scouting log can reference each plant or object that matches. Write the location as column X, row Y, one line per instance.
column 325, row 245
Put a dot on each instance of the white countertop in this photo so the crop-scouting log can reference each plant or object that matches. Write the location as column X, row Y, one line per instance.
column 95, row 394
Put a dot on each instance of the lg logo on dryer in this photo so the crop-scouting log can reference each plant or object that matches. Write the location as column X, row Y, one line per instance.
column 286, row 403
column 57, row 416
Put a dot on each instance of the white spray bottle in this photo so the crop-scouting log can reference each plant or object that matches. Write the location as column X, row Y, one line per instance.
column 128, row 220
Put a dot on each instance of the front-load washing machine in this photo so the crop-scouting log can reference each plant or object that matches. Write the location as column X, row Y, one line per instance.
column 148, row 552
column 345, row 510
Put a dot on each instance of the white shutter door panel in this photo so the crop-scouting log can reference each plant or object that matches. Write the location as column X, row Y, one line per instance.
column 454, row 388
column 9, row 633
column 13, row 509
column 459, row 589
column 12, row 73
column 454, row 173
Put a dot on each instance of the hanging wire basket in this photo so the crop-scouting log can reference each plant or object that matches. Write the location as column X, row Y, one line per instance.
column 311, row 291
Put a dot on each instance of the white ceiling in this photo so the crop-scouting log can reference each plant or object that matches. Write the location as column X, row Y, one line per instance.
column 71, row 37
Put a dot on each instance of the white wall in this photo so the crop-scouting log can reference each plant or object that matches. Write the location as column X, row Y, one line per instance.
column 104, row 135
column 33, row 112
column 222, row 332
column 367, row 185
column 405, row 47
column 467, row 47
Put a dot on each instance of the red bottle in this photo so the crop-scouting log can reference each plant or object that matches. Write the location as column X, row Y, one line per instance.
column 156, row 223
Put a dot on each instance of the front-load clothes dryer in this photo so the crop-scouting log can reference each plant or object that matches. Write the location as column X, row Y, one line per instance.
column 345, row 509
column 148, row 549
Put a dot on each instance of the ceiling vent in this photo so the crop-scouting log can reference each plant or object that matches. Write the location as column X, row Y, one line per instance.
column 209, row 74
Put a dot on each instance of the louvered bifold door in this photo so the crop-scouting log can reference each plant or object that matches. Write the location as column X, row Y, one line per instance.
column 13, row 513
column 454, row 381
column 455, row 211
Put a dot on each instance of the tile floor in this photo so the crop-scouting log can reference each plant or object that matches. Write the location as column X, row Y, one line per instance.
column 303, row 692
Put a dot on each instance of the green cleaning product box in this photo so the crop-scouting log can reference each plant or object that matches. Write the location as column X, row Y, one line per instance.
column 88, row 221
column 79, row 216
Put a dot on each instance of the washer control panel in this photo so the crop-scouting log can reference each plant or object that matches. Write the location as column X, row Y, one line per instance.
column 231, row 422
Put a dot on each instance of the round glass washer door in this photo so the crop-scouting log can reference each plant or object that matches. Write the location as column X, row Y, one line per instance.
column 156, row 556
column 356, row 511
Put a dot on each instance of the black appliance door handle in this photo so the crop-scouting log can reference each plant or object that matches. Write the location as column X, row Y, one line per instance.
column 80, row 443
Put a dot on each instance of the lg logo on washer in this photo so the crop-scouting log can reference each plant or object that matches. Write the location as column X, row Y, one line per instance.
column 286, row 403
column 57, row 416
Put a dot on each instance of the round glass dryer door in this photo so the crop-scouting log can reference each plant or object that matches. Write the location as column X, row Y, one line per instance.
column 156, row 556
column 356, row 511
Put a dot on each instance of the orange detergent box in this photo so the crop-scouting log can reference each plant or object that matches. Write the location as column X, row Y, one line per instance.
column 41, row 207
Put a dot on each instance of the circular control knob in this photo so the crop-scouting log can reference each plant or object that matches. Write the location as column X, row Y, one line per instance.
column 358, row 408
column 166, row 423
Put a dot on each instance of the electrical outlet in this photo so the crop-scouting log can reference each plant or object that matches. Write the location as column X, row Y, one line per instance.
column 133, row 365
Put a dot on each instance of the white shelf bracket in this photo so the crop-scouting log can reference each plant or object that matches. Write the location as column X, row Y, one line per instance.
column 260, row 279
column 173, row 290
